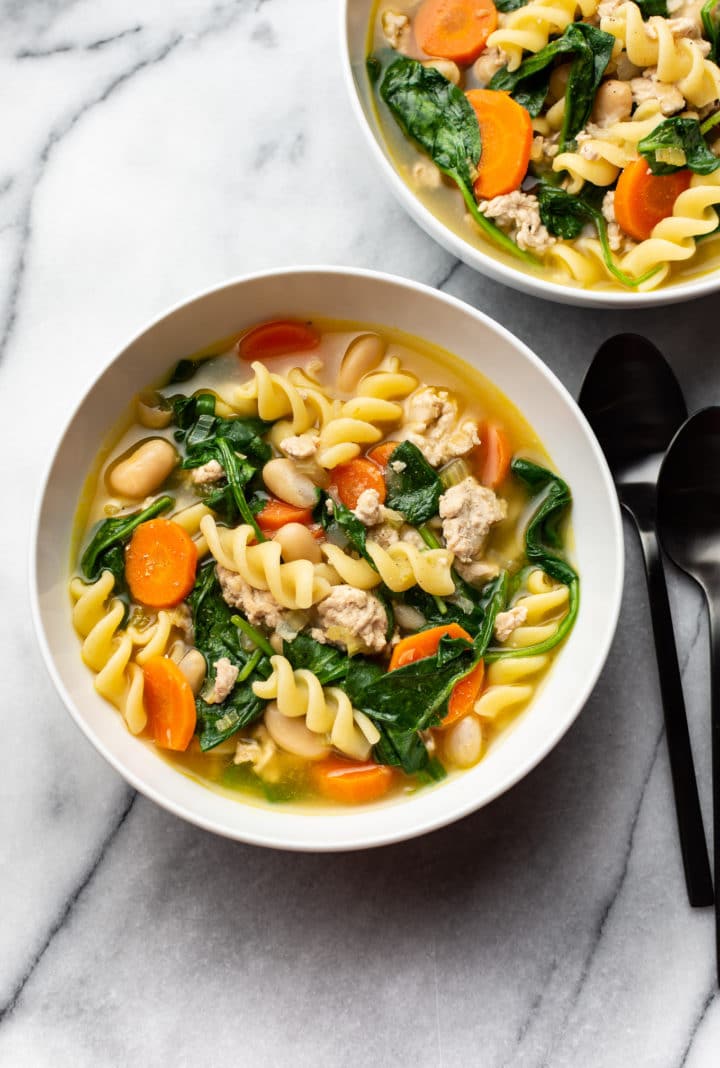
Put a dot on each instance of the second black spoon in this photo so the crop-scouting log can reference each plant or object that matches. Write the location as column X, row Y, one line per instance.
column 635, row 406
column 689, row 523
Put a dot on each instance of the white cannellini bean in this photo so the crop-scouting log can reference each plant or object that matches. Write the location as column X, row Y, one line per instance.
column 408, row 618
column 446, row 67
column 293, row 736
column 363, row 354
column 194, row 669
column 153, row 411
column 284, row 480
column 463, row 742
column 559, row 80
column 144, row 470
column 297, row 543
column 613, row 102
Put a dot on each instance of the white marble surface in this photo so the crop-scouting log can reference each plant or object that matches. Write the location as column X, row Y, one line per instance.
column 150, row 149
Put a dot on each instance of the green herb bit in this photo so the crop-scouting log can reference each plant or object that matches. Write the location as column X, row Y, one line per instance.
column 253, row 634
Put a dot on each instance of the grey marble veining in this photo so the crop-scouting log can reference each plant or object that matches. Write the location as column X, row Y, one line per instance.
column 151, row 149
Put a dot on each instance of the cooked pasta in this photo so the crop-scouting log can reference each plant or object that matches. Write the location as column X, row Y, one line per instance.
column 293, row 585
column 327, row 710
column 107, row 649
column 301, row 601
column 564, row 101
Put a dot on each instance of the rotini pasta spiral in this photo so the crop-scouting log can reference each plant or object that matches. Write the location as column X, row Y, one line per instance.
column 509, row 685
column 400, row 566
column 673, row 238
column 189, row 520
column 106, row 649
column 529, row 28
column 679, row 62
column 327, row 709
column 359, row 421
column 274, row 396
column 293, row 585
column 546, row 603
column 600, row 158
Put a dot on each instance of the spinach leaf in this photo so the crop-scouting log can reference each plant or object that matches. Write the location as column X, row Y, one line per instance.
column 564, row 215
column 342, row 520
column 329, row 663
column 361, row 674
column 216, row 637
column 711, row 26
column 407, row 750
column 507, row 6
column 415, row 491
column 529, row 84
column 105, row 550
column 653, row 7
column 414, row 697
column 438, row 117
column 186, row 369
column 543, row 544
column 684, row 135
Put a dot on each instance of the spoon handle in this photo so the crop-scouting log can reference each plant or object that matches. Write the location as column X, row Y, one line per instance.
column 713, row 595
column 687, row 803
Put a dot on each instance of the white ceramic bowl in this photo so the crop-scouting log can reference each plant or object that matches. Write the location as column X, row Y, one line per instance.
column 355, row 18
column 367, row 297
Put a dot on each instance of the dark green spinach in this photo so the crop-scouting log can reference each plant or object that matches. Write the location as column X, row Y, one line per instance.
column 528, row 85
column 564, row 215
column 105, row 551
column 684, row 135
column 415, row 490
column 216, row 637
column 329, row 663
column 341, row 523
column 648, row 8
column 438, row 117
column 543, row 545
column 711, row 26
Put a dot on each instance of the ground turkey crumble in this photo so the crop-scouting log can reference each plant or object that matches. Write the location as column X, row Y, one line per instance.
column 519, row 215
column 259, row 606
column 225, row 678
column 353, row 610
column 468, row 510
column 432, row 425
column 212, row 471
column 300, row 446
column 507, row 622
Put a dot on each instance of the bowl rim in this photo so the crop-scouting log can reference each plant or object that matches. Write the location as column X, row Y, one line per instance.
column 444, row 815
column 483, row 261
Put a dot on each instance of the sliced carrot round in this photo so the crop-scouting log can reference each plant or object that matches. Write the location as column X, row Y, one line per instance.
column 276, row 514
column 380, row 454
column 356, row 476
column 491, row 458
column 169, row 704
column 454, row 29
column 425, row 643
column 351, row 783
column 506, row 134
column 160, row 563
column 464, row 695
column 643, row 199
column 281, row 337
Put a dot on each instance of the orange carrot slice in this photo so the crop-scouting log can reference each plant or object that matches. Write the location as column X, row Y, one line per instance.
column 169, row 704
column 454, row 29
column 276, row 514
column 380, row 454
column 160, row 563
column 506, row 132
column 643, row 199
column 491, row 458
column 356, row 476
column 351, row 783
column 278, row 338
column 425, row 643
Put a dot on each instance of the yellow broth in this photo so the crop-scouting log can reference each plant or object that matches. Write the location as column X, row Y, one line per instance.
column 477, row 398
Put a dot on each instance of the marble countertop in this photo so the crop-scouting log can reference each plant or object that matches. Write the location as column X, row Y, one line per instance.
column 149, row 150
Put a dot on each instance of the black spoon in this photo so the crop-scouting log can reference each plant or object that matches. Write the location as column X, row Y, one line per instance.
column 635, row 405
column 689, row 525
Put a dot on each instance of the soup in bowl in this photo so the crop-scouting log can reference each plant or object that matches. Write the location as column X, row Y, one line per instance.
column 570, row 151
column 323, row 571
